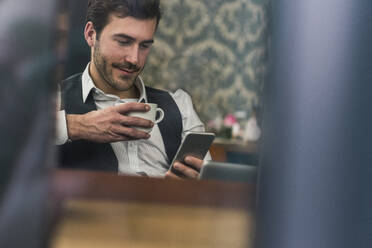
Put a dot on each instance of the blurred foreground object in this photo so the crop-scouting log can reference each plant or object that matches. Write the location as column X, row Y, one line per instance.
column 26, row 123
column 123, row 211
column 315, row 176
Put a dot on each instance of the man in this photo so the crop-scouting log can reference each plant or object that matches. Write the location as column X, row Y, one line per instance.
column 94, row 104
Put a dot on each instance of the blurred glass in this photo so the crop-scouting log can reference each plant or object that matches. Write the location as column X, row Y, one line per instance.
column 26, row 125
column 315, row 171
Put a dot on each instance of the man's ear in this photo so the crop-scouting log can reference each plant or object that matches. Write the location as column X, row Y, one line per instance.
column 90, row 34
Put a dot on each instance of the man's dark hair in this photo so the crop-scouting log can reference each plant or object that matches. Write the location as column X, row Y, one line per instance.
column 99, row 11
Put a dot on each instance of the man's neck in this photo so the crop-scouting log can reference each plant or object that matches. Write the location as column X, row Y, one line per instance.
column 131, row 93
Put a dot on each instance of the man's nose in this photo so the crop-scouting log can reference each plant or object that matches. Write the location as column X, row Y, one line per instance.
column 132, row 55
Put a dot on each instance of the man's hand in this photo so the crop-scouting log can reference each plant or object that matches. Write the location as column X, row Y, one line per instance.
column 109, row 124
column 190, row 169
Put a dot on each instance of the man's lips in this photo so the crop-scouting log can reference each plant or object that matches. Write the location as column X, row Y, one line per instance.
column 127, row 70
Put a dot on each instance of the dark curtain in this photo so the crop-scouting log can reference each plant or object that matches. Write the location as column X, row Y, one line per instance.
column 78, row 52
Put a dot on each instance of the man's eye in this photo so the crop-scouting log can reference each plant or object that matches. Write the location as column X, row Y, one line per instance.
column 145, row 46
column 123, row 43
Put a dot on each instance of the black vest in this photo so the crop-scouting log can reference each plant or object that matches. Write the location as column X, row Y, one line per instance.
column 82, row 154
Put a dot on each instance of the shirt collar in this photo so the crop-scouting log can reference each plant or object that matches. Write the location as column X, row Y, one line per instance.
column 88, row 86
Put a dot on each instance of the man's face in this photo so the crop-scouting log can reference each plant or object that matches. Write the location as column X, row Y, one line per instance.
column 120, row 53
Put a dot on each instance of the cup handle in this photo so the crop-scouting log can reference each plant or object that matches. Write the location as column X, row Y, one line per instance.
column 161, row 115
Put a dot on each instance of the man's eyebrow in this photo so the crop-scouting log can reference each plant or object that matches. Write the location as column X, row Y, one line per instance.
column 148, row 41
column 124, row 36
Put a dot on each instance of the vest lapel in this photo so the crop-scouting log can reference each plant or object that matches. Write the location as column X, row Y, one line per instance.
column 171, row 125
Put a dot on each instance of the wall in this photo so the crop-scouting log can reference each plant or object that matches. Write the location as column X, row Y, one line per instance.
column 215, row 50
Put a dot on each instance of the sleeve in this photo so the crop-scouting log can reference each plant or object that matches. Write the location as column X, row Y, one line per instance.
column 190, row 119
column 61, row 125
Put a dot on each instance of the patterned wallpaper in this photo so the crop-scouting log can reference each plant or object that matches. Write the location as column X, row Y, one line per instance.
column 216, row 50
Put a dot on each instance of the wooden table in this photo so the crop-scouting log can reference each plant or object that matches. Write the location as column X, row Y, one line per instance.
column 107, row 210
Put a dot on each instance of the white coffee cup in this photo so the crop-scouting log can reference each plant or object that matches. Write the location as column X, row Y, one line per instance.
column 149, row 115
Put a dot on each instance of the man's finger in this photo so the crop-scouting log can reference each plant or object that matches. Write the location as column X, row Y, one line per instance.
column 131, row 133
column 171, row 175
column 135, row 121
column 132, row 106
column 186, row 170
column 194, row 162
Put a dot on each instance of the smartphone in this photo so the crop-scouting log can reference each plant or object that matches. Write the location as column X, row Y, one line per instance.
column 195, row 144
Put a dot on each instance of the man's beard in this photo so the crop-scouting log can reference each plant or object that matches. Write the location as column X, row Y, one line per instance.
column 107, row 75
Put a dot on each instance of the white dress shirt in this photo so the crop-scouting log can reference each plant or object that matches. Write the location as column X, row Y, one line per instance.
column 136, row 157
